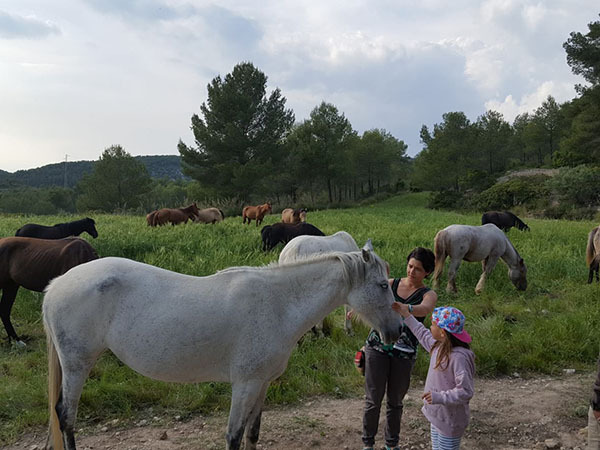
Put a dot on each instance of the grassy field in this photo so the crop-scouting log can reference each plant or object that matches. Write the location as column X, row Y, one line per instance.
column 550, row 327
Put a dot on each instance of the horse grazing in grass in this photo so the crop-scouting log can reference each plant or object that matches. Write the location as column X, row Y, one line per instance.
column 289, row 215
column 503, row 220
column 284, row 232
column 175, row 216
column 210, row 215
column 485, row 243
column 592, row 253
column 60, row 230
column 165, row 325
column 303, row 247
column 32, row 263
column 256, row 212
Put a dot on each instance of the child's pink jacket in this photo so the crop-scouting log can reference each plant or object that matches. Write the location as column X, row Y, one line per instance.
column 451, row 389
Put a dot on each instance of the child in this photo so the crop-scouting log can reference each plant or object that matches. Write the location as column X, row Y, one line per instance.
column 449, row 384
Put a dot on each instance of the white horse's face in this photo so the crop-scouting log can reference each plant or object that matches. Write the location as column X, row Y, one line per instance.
column 373, row 299
column 518, row 275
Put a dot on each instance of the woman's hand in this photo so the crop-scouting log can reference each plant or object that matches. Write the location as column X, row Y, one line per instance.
column 427, row 397
column 401, row 309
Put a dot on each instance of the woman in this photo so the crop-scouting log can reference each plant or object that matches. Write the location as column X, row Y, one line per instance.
column 388, row 367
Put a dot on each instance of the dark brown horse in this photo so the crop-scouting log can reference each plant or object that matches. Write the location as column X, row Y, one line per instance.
column 256, row 212
column 175, row 216
column 504, row 220
column 150, row 218
column 60, row 230
column 592, row 253
column 32, row 263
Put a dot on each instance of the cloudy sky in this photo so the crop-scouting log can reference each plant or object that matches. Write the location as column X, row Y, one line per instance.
column 77, row 76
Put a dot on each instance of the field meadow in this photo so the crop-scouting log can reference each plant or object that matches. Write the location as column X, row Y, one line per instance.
column 550, row 327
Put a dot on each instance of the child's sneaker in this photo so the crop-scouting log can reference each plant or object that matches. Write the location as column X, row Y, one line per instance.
column 391, row 448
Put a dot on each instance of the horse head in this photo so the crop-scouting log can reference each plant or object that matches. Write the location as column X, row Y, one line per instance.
column 302, row 215
column 90, row 227
column 518, row 275
column 373, row 298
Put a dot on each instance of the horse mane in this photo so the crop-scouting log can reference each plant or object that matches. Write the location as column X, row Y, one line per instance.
column 353, row 264
column 516, row 221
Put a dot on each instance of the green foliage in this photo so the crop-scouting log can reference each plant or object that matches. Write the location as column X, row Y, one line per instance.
column 37, row 200
column 528, row 191
column 551, row 326
column 239, row 138
column 118, row 182
column 583, row 53
column 577, row 186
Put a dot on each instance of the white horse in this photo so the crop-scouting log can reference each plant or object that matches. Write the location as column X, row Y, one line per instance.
column 484, row 243
column 238, row 325
column 306, row 246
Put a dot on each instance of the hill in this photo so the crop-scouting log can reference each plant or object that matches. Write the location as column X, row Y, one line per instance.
column 163, row 166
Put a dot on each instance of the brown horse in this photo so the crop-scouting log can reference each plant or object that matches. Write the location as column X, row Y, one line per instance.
column 210, row 215
column 592, row 254
column 32, row 263
column 256, row 212
column 289, row 215
column 150, row 218
column 175, row 216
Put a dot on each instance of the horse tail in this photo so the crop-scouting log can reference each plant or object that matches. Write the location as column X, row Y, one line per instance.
column 439, row 248
column 54, row 388
column 590, row 252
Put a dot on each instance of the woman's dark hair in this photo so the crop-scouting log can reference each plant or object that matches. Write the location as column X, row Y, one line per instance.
column 425, row 257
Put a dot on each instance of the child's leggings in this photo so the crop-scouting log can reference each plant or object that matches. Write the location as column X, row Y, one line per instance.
column 441, row 442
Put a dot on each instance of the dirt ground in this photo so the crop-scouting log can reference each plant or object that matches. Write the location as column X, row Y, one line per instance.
column 506, row 413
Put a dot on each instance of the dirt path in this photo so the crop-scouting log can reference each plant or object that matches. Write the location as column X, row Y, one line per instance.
column 507, row 413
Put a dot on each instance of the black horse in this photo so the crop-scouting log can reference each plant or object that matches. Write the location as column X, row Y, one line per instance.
column 503, row 220
column 60, row 230
column 285, row 232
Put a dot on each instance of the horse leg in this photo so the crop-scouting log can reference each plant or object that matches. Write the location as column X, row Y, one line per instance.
column 591, row 274
column 488, row 265
column 253, row 429
column 244, row 398
column 9, row 293
column 452, row 269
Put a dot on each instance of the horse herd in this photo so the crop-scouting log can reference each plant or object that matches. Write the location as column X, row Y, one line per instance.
column 165, row 325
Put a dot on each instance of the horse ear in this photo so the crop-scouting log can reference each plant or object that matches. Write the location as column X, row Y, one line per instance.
column 366, row 255
column 368, row 245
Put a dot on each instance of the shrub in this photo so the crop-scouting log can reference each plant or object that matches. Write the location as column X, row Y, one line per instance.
column 528, row 191
column 445, row 199
column 577, row 185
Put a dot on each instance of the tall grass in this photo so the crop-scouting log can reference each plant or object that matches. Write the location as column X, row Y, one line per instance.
column 551, row 326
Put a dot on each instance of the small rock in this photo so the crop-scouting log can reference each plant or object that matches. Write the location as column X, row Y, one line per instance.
column 163, row 436
column 516, row 375
column 569, row 371
column 34, row 447
column 104, row 429
column 552, row 443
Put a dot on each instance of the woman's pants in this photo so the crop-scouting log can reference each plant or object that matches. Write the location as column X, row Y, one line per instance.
column 389, row 375
column 593, row 431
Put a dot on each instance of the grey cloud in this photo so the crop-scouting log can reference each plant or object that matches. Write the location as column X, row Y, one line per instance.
column 19, row 27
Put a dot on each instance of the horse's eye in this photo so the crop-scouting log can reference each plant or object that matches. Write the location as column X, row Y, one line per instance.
column 384, row 285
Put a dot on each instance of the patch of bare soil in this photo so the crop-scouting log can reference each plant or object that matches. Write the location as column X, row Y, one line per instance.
column 506, row 413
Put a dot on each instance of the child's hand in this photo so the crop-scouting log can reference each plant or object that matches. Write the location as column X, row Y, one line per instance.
column 349, row 314
column 401, row 309
column 427, row 397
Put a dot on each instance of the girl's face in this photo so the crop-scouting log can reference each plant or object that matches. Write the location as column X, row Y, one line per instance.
column 437, row 333
column 415, row 270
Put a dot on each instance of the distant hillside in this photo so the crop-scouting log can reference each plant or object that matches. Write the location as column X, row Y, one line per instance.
column 165, row 166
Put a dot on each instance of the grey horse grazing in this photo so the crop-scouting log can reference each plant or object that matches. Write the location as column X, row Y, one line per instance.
column 485, row 243
column 306, row 246
column 165, row 325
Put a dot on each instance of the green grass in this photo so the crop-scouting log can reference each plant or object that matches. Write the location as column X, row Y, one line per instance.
column 551, row 326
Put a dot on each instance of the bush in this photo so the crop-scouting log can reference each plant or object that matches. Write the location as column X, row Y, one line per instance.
column 445, row 199
column 577, row 186
column 526, row 191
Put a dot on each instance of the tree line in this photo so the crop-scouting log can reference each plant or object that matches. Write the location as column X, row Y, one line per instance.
column 248, row 147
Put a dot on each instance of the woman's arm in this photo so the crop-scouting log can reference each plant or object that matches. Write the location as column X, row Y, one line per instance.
column 421, row 333
column 427, row 305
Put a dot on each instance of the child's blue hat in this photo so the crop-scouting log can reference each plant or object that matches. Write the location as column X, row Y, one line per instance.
column 452, row 320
